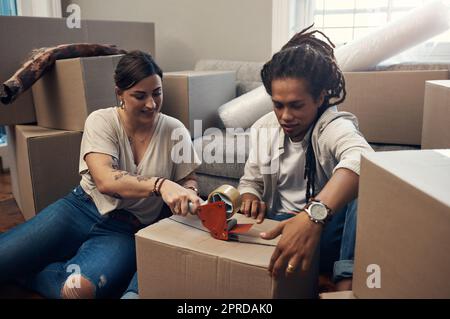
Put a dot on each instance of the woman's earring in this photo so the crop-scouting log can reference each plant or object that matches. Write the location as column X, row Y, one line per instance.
column 121, row 104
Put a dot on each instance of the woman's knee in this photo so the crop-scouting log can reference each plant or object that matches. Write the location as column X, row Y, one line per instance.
column 78, row 287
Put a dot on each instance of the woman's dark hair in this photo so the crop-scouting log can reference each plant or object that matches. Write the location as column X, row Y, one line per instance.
column 133, row 67
column 311, row 59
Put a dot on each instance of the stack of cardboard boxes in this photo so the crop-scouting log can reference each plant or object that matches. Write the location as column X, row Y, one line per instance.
column 44, row 131
column 45, row 157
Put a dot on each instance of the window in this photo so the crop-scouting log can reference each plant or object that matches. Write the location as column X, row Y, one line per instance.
column 345, row 20
column 8, row 8
column 39, row 8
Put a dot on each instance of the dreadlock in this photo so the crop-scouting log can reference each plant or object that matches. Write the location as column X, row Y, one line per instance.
column 307, row 57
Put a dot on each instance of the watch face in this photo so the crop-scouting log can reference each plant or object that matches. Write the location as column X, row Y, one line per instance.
column 318, row 211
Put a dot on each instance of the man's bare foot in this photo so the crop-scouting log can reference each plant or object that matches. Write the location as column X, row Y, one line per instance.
column 344, row 284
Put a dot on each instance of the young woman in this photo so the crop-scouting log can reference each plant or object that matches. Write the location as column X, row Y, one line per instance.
column 318, row 151
column 82, row 246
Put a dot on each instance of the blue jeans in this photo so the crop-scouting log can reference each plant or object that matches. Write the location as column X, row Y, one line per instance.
column 132, row 290
column 337, row 244
column 71, row 236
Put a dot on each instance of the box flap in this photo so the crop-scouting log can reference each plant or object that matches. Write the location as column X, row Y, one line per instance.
column 444, row 83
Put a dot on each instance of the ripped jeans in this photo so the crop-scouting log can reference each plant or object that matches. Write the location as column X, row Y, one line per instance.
column 71, row 237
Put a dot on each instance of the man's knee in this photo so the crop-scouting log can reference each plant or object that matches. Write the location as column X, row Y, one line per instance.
column 77, row 287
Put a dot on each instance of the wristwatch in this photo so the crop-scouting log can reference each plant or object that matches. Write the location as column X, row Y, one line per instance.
column 317, row 211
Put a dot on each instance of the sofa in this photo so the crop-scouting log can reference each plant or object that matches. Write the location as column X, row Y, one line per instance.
column 212, row 175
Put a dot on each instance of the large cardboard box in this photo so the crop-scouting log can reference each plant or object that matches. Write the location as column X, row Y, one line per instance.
column 196, row 95
column 47, row 166
column 4, row 157
column 27, row 33
column 403, row 227
column 176, row 260
column 436, row 115
column 11, row 149
column 73, row 89
column 389, row 104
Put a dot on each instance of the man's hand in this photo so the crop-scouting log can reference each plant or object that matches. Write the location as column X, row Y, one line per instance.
column 252, row 206
column 297, row 245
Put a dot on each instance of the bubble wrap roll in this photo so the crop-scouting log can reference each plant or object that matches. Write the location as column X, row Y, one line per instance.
column 393, row 38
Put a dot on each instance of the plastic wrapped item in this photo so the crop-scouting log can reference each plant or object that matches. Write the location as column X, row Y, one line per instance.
column 244, row 110
column 395, row 37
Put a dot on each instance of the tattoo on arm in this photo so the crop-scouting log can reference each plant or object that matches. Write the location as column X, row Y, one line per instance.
column 115, row 164
column 120, row 175
column 142, row 178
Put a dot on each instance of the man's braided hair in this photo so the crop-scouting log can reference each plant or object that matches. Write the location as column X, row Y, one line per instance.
column 306, row 57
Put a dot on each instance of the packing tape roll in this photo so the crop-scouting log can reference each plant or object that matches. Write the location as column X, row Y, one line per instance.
column 229, row 195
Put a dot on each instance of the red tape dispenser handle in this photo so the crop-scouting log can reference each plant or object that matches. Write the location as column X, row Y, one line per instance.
column 216, row 213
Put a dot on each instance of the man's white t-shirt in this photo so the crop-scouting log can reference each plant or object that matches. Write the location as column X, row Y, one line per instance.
column 291, row 181
column 104, row 133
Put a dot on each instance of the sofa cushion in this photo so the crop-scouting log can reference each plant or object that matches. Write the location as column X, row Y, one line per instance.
column 247, row 73
column 252, row 101
column 208, row 183
column 216, row 149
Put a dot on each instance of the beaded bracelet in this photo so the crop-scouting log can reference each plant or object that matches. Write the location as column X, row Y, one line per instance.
column 155, row 190
column 158, row 191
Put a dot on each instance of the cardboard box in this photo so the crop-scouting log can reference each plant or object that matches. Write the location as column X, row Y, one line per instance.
column 175, row 260
column 73, row 89
column 28, row 33
column 403, row 227
column 21, row 111
column 11, row 149
column 196, row 95
column 47, row 166
column 389, row 104
column 4, row 157
column 436, row 115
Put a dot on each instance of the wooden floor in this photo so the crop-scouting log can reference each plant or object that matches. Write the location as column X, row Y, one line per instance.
column 11, row 216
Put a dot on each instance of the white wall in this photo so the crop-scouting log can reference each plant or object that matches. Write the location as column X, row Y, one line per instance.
column 189, row 30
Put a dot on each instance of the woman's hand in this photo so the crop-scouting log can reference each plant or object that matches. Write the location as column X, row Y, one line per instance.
column 252, row 206
column 297, row 245
column 177, row 198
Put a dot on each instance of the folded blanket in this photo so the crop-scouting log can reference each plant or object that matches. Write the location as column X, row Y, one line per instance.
column 43, row 59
